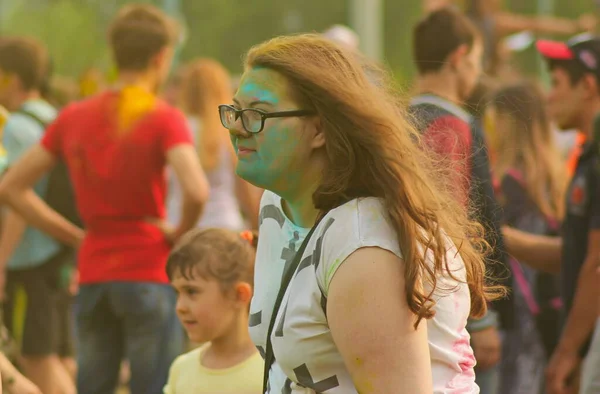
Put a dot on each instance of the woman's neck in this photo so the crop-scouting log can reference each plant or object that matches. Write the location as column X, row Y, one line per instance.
column 299, row 207
column 301, row 212
column 231, row 349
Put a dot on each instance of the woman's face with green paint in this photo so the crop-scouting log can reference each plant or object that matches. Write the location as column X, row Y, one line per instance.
column 273, row 158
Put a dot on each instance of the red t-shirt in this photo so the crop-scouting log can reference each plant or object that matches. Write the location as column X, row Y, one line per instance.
column 119, row 181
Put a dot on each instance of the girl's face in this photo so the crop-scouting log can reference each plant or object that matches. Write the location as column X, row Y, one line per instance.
column 205, row 311
column 273, row 158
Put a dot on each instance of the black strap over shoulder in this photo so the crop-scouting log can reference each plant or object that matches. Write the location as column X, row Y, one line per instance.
column 60, row 195
column 33, row 117
column 287, row 278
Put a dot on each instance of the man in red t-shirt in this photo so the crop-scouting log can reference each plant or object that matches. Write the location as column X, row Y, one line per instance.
column 116, row 146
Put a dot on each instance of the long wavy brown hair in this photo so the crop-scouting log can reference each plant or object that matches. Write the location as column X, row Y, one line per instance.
column 205, row 84
column 371, row 151
column 527, row 144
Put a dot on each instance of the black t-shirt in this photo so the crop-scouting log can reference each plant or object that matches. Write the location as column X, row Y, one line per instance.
column 582, row 216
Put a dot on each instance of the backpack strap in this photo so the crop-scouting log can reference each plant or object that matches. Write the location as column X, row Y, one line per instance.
column 288, row 274
column 530, row 300
column 517, row 269
column 33, row 117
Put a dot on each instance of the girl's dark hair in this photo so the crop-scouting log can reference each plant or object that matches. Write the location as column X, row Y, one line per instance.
column 215, row 253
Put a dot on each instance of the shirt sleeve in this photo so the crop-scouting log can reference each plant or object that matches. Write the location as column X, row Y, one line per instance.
column 173, row 376
column 360, row 224
column 53, row 137
column 176, row 130
column 19, row 135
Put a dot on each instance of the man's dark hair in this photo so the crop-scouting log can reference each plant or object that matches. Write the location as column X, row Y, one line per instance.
column 138, row 33
column 438, row 35
column 575, row 71
column 27, row 59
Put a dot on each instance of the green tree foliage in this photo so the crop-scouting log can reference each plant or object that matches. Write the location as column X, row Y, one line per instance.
column 70, row 29
column 74, row 30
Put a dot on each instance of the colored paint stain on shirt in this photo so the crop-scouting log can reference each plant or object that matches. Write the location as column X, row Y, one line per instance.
column 134, row 103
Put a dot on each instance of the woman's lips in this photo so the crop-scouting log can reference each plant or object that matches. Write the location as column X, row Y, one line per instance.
column 244, row 151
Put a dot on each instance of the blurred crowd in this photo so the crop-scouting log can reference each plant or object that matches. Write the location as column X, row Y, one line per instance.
column 130, row 220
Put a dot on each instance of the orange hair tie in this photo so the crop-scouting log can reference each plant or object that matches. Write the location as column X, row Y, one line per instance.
column 247, row 235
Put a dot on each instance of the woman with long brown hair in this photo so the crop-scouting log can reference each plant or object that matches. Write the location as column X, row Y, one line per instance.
column 532, row 185
column 204, row 84
column 366, row 268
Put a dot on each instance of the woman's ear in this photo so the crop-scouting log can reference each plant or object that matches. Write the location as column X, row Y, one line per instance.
column 318, row 140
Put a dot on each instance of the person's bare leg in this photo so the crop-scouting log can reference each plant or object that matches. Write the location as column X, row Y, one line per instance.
column 49, row 374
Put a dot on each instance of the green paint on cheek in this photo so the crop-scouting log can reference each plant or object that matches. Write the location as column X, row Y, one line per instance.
column 275, row 165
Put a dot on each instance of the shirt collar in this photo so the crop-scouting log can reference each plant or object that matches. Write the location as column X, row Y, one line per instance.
column 442, row 103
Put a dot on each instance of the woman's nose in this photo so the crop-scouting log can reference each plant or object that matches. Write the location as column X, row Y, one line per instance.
column 237, row 128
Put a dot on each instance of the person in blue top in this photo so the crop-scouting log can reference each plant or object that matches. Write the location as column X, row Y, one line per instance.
column 34, row 270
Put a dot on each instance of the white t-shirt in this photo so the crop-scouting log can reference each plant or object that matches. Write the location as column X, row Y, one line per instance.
column 307, row 360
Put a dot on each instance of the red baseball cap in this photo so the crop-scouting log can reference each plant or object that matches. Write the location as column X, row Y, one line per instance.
column 583, row 49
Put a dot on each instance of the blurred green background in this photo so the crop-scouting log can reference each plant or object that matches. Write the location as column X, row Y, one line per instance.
column 74, row 30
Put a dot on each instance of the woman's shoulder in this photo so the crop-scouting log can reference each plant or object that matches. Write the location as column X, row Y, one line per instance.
column 357, row 224
column 362, row 214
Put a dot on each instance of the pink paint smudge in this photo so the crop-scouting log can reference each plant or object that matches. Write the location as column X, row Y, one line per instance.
column 463, row 381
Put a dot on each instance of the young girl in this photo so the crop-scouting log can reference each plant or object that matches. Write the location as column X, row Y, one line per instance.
column 532, row 185
column 212, row 271
column 365, row 275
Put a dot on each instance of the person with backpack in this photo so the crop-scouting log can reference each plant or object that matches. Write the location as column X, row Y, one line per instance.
column 116, row 146
column 34, row 269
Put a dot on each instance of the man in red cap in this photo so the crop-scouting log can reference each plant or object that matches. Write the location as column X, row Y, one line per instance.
column 573, row 103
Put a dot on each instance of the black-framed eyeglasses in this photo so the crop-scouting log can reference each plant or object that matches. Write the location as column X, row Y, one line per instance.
column 253, row 120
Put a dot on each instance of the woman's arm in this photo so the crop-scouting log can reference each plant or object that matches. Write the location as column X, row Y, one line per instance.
column 508, row 23
column 373, row 327
column 194, row 186
column 540, row 252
